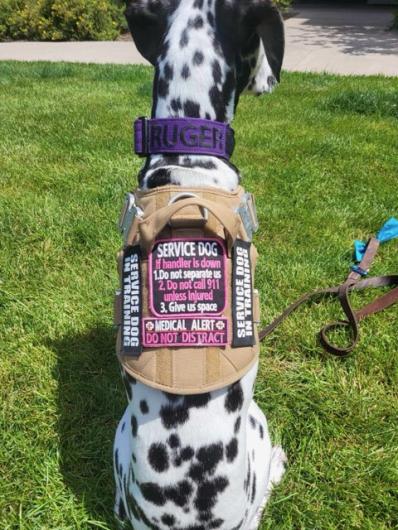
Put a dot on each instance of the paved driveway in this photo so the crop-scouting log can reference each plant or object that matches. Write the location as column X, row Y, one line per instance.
column 342, row 40
column 339, row 40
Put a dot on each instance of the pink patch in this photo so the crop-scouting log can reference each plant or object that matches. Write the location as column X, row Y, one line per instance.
column 165, row 332
column 187, row 277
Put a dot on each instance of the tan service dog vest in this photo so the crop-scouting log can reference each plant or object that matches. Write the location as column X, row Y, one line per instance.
column 187, row 311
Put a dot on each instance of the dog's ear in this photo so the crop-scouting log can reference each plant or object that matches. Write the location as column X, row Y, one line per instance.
column 263, row 17
column 147, row 20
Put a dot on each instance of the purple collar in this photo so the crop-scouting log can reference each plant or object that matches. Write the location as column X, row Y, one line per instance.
column 192, row 136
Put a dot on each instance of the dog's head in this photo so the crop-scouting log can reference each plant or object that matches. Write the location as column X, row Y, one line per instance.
column 207, row 52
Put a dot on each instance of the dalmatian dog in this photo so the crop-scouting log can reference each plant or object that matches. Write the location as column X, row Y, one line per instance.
column 198, row 462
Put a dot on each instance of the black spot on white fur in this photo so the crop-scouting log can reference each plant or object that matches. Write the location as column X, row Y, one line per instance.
column 185, row 72
column 234, row 398
column 231, row 450
column 201, row 52
column 158, row 457
column 144, row 406
column 134, row 425
column 198, row 58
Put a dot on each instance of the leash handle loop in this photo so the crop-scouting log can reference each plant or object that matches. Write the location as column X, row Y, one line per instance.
column 354, row 282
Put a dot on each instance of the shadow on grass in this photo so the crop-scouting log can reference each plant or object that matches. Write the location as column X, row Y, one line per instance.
column 90, row 404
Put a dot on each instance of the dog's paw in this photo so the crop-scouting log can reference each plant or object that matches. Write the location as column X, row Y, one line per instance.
column 278, row 464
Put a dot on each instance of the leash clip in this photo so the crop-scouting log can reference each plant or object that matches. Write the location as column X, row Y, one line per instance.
column 359, row 270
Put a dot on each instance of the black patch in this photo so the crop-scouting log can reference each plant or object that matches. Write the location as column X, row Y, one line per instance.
column 185, row 72
column 237, row 425
column 184, row 39
column 187, row 453
column 196, row 23
column 253, row 421
column 248, row 476
column 242, row 295
column 168, row 72
column 210, row 456
column 174, row 441
column 207, row 492
column 197, row 400
column 173, row 416
column 144, row 406
column 160, row 177
column 175, row 104
column 210, row 18
column 231, row 450
column 254, row 488
column 234, row 398
column 168, row 520
column 131, row 302
column 216, row 523
column 198, row 58
column 172, row 397
column 134, row 425
column 153, row 493
column 180, row 493
column 121, row 511
column 163, row 88
column 217, row 74
column 198, row 4
column 261, row 431
column 165, row 49
column 158, row 457
column 208, row 164
column 191, row 109
column 217, row 102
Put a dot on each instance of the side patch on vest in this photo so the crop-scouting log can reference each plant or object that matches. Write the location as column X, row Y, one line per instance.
column 132, row 302
column 165, row 332
column 187, row 277
column 242, row 296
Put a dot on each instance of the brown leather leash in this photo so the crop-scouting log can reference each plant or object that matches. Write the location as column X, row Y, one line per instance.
column 354, row 282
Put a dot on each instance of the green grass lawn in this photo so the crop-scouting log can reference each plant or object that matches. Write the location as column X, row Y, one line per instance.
column 320, row 154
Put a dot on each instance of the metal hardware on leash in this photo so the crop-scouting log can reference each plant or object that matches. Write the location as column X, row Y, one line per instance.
column 355, row 282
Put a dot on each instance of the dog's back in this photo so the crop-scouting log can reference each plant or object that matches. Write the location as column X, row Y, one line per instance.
column 205, row 461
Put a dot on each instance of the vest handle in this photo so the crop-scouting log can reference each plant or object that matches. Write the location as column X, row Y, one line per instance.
column 154, row 223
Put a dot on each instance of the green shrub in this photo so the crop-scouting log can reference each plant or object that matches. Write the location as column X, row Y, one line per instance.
column 60, row 19
column 283, row 4
column 395, row 23
column 66, row 19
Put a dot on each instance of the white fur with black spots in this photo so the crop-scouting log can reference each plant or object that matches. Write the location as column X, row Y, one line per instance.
column 198, row 462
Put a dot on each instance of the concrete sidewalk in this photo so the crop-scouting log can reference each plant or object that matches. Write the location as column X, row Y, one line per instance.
column 319, row 39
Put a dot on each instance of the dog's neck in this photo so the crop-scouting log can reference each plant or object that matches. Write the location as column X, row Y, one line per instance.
column 194, row 78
